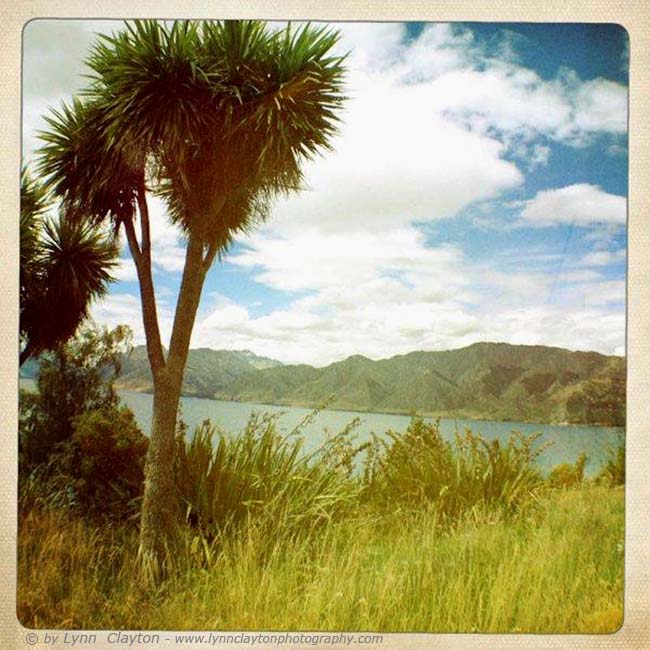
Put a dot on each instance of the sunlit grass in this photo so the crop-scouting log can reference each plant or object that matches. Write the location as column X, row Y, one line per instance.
column 558, row 568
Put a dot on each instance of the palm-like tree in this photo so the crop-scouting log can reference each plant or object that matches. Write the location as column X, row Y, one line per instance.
column 64, row 265
column 215, row 117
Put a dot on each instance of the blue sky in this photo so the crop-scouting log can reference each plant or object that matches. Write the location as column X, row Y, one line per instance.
column 477, row 191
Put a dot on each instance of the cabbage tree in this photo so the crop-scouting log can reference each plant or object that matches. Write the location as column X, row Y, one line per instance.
column 64, row 266
column 216, row 118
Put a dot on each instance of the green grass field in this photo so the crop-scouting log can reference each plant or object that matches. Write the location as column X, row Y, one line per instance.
column 555, row 568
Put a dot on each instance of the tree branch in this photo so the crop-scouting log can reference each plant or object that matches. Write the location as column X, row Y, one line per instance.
column 142, row 259
column 189, row 296
column 132, row 239
column 209, row 257
column 144, row 219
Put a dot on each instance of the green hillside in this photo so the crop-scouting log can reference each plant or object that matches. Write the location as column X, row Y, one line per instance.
column 484, row 380
column 206, row 373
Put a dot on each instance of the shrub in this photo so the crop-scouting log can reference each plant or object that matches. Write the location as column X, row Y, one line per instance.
column 566, row 475
column 73, row 379
column 261, row 475
column 420, row 468
column 613, row 472
column 98, row 472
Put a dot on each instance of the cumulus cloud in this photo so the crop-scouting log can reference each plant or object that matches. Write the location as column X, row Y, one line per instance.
column 125, row 271
column 390, row 294
column 304, row 333
column 601, row 105
column 395, row 161
column 580, row 204
column 315, row 260
column 488, row 93
column 167, row 243
column 447, row 116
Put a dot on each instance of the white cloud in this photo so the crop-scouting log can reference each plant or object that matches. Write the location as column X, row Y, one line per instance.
column 386, row 294
column 604, row 292
column 318, row 334
column 576, row 329
column 313, row 260
column 581, row 204
column 490, row 91
column 395, row 161
column 504, row 97
column 604, row 257
column 167, row 245
column 125, row 309
column 120, row 309
column 601, row 105
column 488, row 94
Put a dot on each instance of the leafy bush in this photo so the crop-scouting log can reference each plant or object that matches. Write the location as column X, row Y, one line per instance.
column 261, row 475
column 566, row 475
column 73, row 379
column 99, row 471
column 613, row 472
column 420, row 468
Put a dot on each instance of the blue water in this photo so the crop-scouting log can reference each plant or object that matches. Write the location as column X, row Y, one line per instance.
column 568, row 441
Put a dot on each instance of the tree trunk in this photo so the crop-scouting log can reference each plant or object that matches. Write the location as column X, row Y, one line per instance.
column 159, row 516
column 160, row 506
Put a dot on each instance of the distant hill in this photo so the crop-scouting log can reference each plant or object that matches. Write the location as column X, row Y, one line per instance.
column 207, row 371
column 484, row 380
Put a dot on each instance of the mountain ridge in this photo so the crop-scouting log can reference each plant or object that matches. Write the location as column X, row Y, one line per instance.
column 485, row 380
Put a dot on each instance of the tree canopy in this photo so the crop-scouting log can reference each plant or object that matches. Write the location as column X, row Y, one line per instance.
column 64, row 265
column 215, row 117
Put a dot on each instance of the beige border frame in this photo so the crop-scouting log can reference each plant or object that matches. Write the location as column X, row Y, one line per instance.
column 634, row 15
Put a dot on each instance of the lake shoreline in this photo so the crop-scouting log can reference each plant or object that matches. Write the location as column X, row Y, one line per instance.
column 402, row 413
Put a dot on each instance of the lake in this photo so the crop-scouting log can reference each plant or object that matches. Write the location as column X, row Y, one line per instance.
column 568, row 441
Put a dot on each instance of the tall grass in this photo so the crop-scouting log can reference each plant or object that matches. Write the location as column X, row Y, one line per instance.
column 420, row 467
column 262, row 475
column 425, row 535
column 546, row 572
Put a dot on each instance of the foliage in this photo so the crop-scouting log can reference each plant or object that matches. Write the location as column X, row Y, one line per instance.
column 566, row 475
column 558, row 570
column 74, row 379
column 218, row 115
column 613, row 472
column 419, row 467
column 33, row 203
column 99, row 471
column 261, row 475
column 63, row 267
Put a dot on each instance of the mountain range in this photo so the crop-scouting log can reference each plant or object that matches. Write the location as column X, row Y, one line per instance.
column 483, row 381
